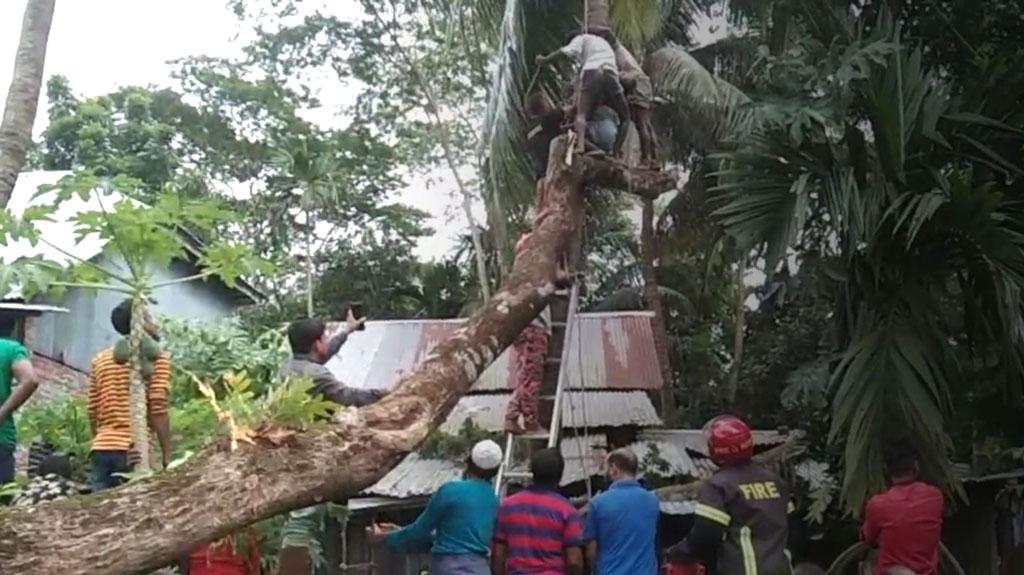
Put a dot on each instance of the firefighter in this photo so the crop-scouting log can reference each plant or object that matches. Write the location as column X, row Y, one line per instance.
column 741, row 520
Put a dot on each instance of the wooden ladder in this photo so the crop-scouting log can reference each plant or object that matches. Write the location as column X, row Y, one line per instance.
column 518, row 447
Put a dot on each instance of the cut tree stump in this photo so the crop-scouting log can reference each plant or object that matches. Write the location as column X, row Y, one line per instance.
column 143, row 525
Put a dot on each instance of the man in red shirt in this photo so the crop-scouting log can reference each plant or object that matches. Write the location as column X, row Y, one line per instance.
column 905, row 521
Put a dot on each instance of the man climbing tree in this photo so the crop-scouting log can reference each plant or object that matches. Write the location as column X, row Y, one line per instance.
column 639, row 92
column 531, row 348
column 599, row 83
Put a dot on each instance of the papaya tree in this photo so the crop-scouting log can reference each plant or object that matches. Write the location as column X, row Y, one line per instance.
column 141, row 239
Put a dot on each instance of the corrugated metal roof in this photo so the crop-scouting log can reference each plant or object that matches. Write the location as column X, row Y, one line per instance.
column 579, row 409
column 613, row 351
column 678, row 507
column 665, row 459
column 418, row 476
column 30, row 308
column 695, row 440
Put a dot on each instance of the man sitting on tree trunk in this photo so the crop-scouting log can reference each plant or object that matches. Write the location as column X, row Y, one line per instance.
column 599, row 83
column 110, row 400
column 639, row 93
column 546, row 121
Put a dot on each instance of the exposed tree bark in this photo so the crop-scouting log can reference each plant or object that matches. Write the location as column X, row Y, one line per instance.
column 23, row 95
column 597, row 12
column 638, row 181
column 139, row 406
column 149, row 523
column 309, row 263
column 648, row 255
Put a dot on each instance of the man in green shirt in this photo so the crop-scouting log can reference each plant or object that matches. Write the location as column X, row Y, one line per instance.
column 15, row 365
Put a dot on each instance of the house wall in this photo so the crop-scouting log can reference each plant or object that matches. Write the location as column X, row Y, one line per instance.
column 74, row 338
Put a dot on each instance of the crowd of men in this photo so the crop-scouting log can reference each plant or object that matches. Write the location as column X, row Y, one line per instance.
column 741, row 524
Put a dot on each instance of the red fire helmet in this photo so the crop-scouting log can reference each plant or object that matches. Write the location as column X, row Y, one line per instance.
column 730, row 441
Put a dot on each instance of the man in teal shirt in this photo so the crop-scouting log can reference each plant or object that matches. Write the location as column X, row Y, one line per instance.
column 15, row 365
column 459, row 519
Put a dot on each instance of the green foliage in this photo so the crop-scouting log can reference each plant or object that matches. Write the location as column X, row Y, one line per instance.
column 209, row 350
column 441, row 445
column 63, row 424
column 144, row 237
column 865, row 163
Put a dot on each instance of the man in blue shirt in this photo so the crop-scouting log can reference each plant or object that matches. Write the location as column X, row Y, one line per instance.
column 459, row 519
column 622, row 523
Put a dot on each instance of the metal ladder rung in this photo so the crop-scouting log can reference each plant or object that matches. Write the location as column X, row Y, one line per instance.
column 509, row 469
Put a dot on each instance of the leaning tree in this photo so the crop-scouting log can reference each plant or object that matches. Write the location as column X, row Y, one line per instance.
column 23, row 95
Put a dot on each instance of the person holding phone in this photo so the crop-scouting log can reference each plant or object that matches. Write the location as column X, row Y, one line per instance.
column 312, row 347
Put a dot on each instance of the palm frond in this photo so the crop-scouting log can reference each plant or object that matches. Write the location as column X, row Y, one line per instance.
column 706, row 109
column 893, row 382
column 766, row 193
column 528, row 28
column 904, row 103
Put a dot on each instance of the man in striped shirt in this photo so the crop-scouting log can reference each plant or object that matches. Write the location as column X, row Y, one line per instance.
column 110, row 405
column 538, row 531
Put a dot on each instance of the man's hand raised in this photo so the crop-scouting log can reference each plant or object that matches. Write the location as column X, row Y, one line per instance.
column 352, row 324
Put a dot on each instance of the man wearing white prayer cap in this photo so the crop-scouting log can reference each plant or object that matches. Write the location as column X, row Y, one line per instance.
column 458, row 522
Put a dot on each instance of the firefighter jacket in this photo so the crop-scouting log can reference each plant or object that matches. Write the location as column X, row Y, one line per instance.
column 752, row 506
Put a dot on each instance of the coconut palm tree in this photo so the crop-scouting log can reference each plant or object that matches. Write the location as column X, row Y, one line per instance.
column 23, row 95
column 703, row 107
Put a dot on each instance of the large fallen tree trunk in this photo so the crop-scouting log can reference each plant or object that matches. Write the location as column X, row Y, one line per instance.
column 149, row 523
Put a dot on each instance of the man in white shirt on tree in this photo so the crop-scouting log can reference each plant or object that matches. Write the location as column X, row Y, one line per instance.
column 599, row 83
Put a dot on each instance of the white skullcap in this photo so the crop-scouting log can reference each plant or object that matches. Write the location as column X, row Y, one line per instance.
column 486, row 455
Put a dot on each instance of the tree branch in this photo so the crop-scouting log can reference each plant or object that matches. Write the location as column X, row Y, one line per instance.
column 183, row 280
column 609, row 173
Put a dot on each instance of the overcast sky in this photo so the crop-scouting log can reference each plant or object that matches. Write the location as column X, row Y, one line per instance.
column 101, row 45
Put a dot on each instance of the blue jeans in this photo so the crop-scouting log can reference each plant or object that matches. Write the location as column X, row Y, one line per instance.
column 104, row 466
column 6, row 464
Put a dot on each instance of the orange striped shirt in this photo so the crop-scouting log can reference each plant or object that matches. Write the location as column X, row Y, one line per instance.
column 110, row 399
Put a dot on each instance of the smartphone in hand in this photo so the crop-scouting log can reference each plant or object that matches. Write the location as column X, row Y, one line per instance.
column 357, row 313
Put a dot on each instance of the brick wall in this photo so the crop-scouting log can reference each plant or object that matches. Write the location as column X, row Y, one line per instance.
column 57, row 380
